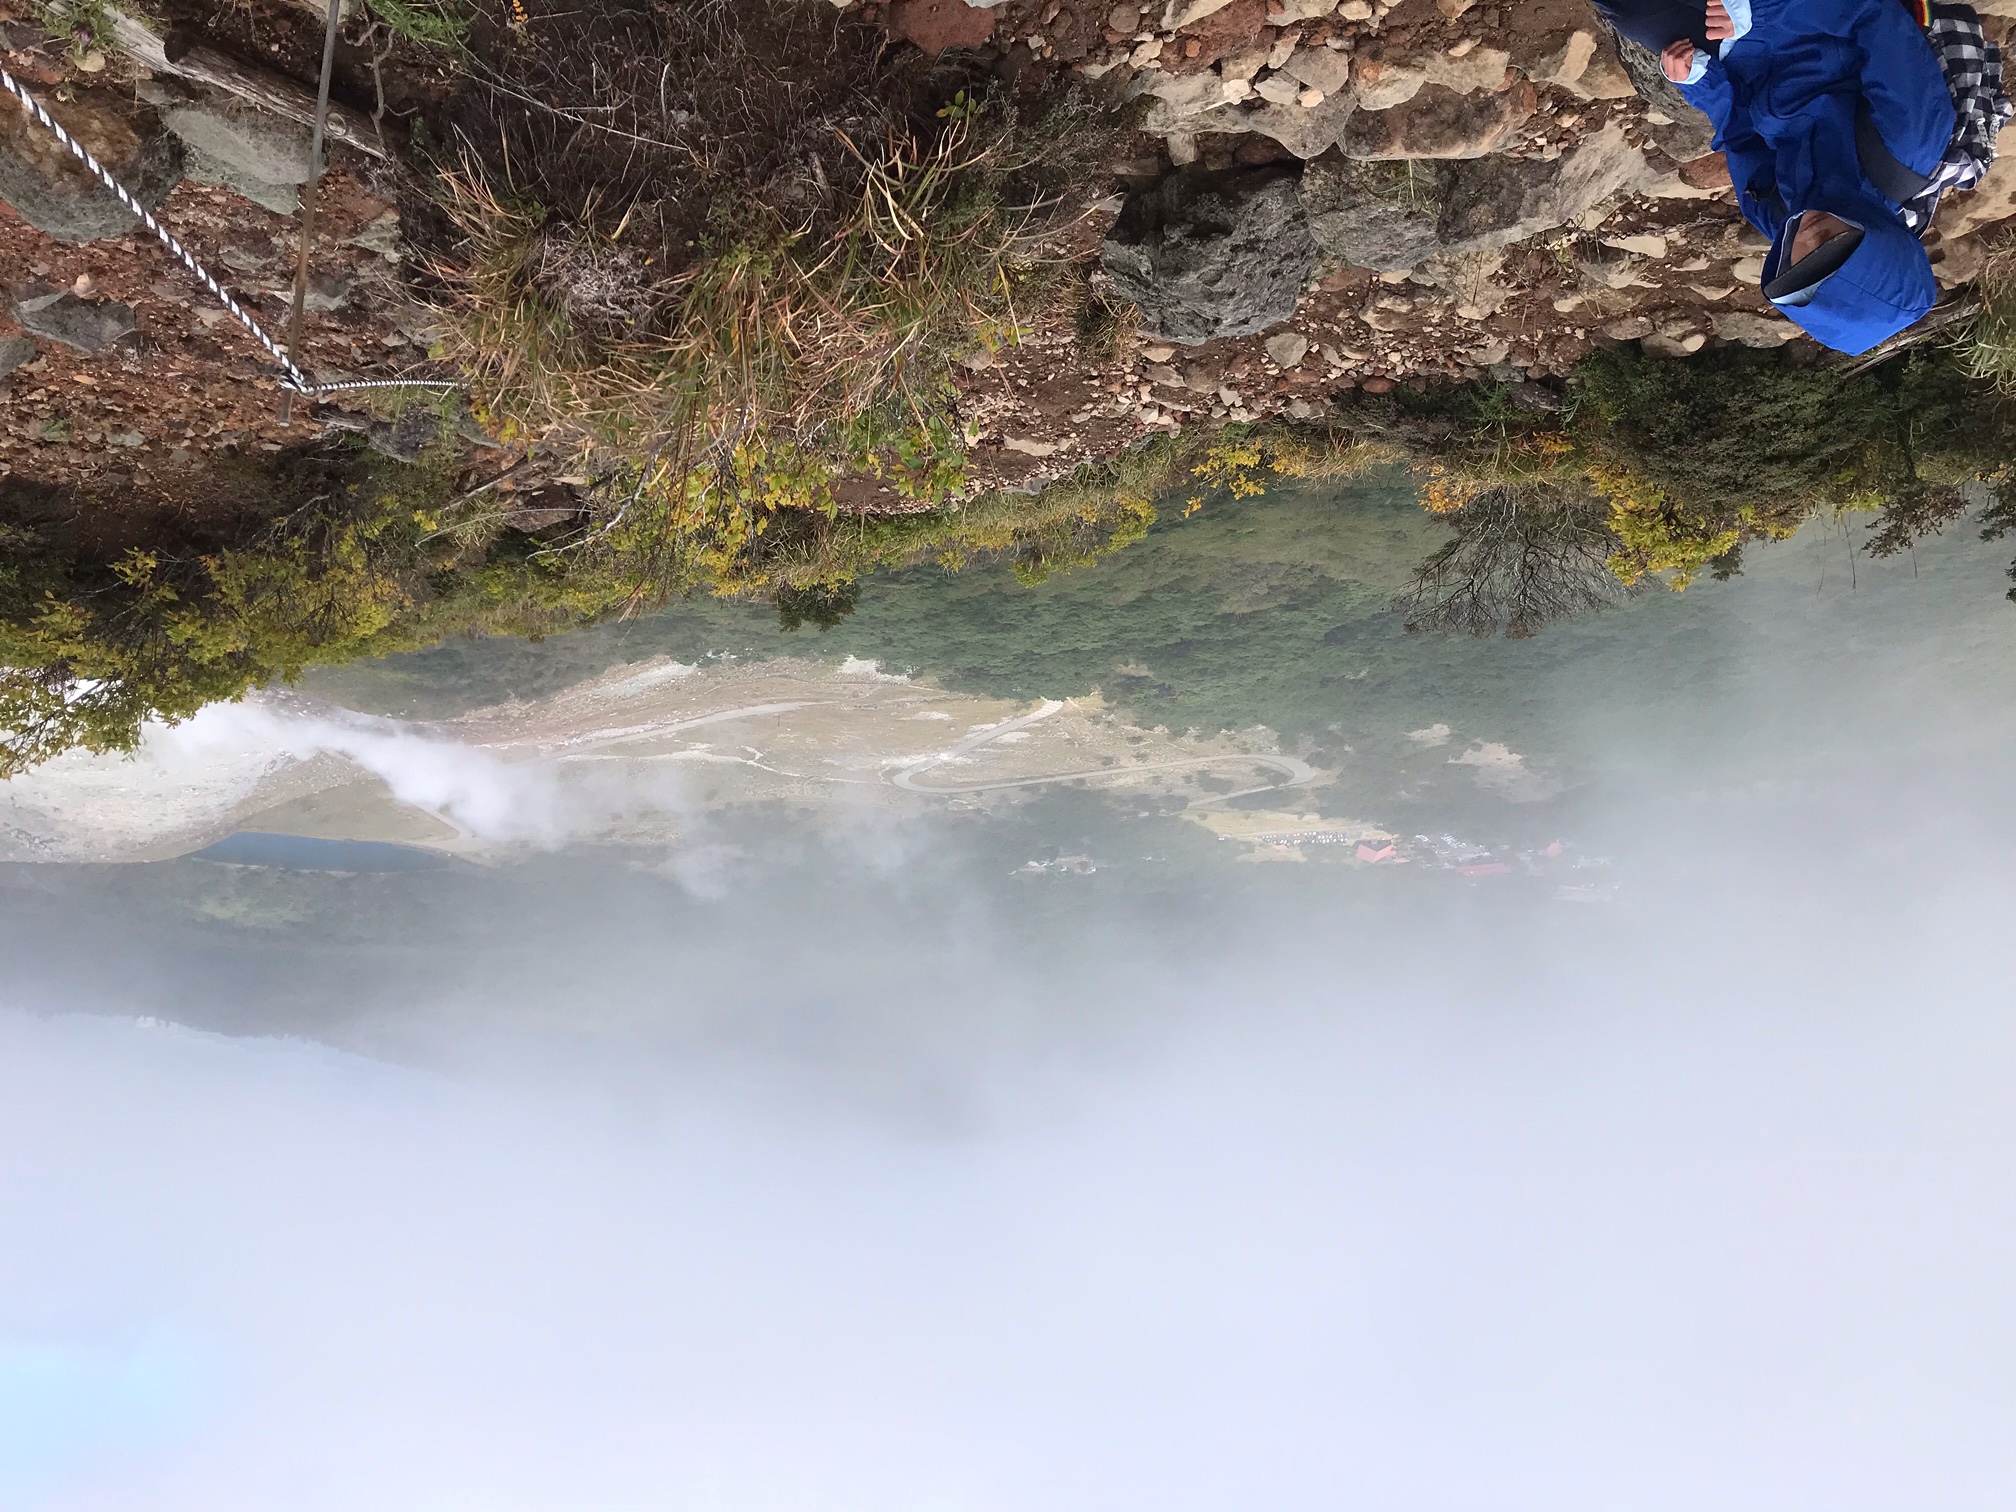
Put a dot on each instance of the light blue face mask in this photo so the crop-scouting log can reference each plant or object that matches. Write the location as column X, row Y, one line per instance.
column 1798, row 284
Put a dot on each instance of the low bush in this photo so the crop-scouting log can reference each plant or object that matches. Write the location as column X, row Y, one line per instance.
column 1674, row 467
column 346, row 563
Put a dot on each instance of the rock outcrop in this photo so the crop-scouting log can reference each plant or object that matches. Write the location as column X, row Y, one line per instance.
column 1437, row 122
column 261, row 156
column 85, row 325
column 1991, row 201
column 1315, row 76
column 1492, row 190
column 1396, row 215
column 54, row 193
column 1206, row 255
column 1375, row 215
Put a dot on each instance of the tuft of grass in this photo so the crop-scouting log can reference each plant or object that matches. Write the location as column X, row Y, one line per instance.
column 441, row 24
column 84, row 22
column 724, row 260
column 1988, row 346
column 1104, row 322
column 769, row 366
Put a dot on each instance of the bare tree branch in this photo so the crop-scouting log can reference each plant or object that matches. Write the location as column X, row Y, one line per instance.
column 1515, row 566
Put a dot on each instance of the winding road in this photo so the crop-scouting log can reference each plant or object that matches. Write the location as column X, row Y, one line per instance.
column 631, row 734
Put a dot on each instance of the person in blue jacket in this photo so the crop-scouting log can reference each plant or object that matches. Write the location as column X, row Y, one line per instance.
column 1812, row 103
column 1837, row 122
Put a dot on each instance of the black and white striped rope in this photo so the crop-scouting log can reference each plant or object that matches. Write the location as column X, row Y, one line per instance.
column 293, row 377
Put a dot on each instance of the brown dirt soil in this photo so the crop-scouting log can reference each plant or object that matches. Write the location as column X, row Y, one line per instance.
column 194, row 385
column 194, row 381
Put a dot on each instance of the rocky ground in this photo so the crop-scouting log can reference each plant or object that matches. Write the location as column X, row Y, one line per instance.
column 1359, row 194
column 115, row 364
column 1322, row 195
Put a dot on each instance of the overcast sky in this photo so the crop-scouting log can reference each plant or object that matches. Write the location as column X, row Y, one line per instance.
column 1697, row 1200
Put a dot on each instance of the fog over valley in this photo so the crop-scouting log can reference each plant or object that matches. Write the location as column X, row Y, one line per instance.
column 839, row 1146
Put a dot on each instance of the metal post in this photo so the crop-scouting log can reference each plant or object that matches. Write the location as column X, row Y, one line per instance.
column 308, row 191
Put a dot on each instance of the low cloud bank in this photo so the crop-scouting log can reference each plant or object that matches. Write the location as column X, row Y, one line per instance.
column 1607, row 1209
column 196, row 775
column 877, row 1179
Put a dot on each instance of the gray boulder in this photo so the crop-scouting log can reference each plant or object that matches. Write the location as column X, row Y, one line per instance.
column 326, row 292
column 1212, row 254
column 259, row 156
column 1439, row 123
column 85, row 324
column 1495, row 204
column 15, row 350
column 1305, row 130
column 1394, row 215
column 53, row 192
column 281, row 199
column 1374, row 214
column 1754, row 330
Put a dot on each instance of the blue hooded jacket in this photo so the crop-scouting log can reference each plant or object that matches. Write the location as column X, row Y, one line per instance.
column 1784, row 99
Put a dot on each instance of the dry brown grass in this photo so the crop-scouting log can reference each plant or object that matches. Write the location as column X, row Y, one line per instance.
column 1988, row 346
column 731, row 253
column 768, row 337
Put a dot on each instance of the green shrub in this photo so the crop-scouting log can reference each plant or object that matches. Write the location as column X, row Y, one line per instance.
column 425, row 23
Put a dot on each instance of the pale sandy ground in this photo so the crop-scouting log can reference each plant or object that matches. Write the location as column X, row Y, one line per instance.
column 623, row 758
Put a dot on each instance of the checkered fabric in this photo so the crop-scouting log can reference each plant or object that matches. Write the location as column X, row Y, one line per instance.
column 1973, row 68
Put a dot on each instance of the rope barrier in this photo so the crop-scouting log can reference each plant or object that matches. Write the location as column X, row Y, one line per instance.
column 293, row 377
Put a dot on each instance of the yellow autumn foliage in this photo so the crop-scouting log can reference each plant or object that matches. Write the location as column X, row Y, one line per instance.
column 1654, row 535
